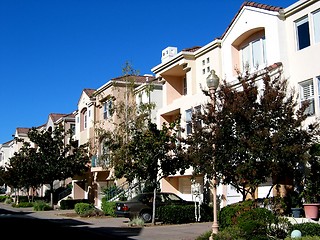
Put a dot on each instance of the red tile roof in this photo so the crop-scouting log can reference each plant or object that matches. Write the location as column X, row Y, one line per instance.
column 251, row 4
column 192, row 49
column 56, row 116
column 89, row 91
column 21, row 130
column 262, row 6
column 137, row 79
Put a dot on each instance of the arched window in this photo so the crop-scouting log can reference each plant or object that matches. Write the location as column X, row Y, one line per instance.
column 83, row 119
column 249, row 51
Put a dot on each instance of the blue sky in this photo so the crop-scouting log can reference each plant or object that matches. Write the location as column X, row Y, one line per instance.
column 50, row 50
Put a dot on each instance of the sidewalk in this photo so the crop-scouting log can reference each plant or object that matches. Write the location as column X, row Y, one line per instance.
column 159, row 232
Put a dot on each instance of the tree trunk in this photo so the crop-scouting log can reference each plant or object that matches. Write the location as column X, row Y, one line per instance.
column 154, row 205
column 51, row 195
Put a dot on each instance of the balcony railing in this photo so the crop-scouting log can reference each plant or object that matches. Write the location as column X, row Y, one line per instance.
column 99, row 162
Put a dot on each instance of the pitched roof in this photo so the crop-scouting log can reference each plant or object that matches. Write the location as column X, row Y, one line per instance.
column 89, row 91
column 251, row 4
column 137, row 79
column 21, row 130
column 192, row 49
column 56, row 116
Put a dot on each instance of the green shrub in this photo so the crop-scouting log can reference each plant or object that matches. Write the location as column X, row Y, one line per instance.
column 307, row 228
column 204, row 236
column 230, row 233
column 87, row 210
column 178, row 214
column 108, row 207
column 22, row 204
column 81, row 208
column 255, row 222
column 229, row 214
column 41, row 206
column 136, row 222
column 3, row 198
column 175, row 214
column 8, row 200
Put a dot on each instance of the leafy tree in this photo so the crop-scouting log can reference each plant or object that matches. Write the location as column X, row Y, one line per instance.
column 137, row 149
column 257, row 131
column 310, row 182
column 126, row 113
column 23, row 170
column 2, row 176
column 150, row 154
column 59, row 157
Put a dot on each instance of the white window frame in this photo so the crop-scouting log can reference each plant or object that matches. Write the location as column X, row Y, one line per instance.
column 307, row 93
column 188, row 121
column 85, row 120
column 104, row 151
column 249, row 55
column 107, row 109
column 316, row 26
column 298, row 23
column 185, row 86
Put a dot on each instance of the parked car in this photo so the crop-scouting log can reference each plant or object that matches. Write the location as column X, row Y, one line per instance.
column 141, row 205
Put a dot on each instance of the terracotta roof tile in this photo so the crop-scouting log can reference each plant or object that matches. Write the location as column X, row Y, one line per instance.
column 251, row 4
column 137, row 79
column 192, row 49
column 89, row 91
column 21, row 130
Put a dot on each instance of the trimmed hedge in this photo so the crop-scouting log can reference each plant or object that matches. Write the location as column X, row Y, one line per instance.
column 178, row 214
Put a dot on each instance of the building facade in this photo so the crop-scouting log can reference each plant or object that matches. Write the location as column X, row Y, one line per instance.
column 259, row 36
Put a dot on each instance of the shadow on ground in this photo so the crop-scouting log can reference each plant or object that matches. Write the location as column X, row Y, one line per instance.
column 24, row 225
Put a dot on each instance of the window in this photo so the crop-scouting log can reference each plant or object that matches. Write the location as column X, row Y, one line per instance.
column 73, row 129
column 189, row 121
column 104, row 158
column 316, row 26
column 85, row 120
column 203, row 71
column 107, row 109
column 208, row 69
column 208, row 60
column 253, row 55
column 307, row 94
column 185, row 86
column 303, row 34
column 203, row 62
column 189, row 114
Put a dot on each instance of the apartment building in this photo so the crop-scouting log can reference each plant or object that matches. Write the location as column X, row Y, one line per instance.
column 96, row 114
column 8, row 149
column 67, row 121
column 259, row 36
